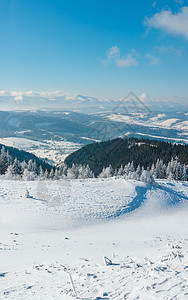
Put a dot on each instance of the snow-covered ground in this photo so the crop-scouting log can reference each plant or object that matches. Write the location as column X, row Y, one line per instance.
column 52, row 244
column 161, row 121
column 53, row 151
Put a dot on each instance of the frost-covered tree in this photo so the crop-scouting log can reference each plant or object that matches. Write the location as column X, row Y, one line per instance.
column 133, row 176
column 16, row 167
column 121, row 171
column 41, row 173
column 24, row 165
column 106, row 172
column 51, row 175
column 46, row 174
column 170, row 176
column 56, row 174
column 30, row 165
column 146, row 177
column 71, row 174
column 4, row 161
column 185, row 173
column 131, row 168
column 28, row 175
column 9, row 173
column 138, row 170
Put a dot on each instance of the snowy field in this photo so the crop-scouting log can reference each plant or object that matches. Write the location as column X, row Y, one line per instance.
column 53, row 243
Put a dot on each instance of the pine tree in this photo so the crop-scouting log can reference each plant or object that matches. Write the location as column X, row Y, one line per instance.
column 121, row 171
column 71, row 173
column 146, row 177
column 17, row 169
column 106, row 172
column 56, row 174
column 24, row 165
column 30, row 165
column 46, row 174
column 41, row 173
column 51, row 175
column 185, row 173
column 138, row 170
column 4, row 161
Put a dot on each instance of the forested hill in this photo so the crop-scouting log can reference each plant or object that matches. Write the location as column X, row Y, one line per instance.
column 23, row 155
column 119, row 152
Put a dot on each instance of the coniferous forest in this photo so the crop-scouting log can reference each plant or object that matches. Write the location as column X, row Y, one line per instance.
column 118, row 152
column 142, row 160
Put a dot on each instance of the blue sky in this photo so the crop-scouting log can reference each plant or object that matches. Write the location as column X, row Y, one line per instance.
column 99, row 48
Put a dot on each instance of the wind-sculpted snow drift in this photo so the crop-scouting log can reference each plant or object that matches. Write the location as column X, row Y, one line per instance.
column 54, row 235
column 72, row 203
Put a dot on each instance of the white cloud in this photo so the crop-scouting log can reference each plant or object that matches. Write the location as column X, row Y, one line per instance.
column 19, row 95
column 174, row 23
column 153, row 59
column 113, row 54
column 126, row 62
column 169, row 49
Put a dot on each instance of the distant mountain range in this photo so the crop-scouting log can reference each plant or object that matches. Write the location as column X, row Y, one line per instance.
column 75, row 102
column 53, row 125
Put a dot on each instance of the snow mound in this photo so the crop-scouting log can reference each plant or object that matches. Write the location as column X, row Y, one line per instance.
column 73, row 203
column 47, row 249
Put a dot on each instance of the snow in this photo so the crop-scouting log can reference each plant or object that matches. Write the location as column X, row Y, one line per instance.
column 178, row 140
column 168, row 123
column 159, row 116
column 21, row 143
column 183, row 125
column 51, row 150
column 159, row 121
column 52, row 244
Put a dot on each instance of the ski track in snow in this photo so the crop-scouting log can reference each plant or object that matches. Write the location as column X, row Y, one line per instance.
column 52, row 245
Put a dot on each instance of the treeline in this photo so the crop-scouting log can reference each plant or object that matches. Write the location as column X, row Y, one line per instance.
column 173, row 170
column 117, row 152
column 22, row 155
column 12, row 168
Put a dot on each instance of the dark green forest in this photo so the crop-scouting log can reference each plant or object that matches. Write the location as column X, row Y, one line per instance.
column 119, row 152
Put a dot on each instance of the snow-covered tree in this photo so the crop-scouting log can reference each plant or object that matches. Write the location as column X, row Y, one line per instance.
column 41, row 173
column 106, row 172
column 71, row 173
column 29, row 175
column 16, row 167
column 121, row 171
column 46, row 174
column 56, row 174
column 9, row 173
column 138, row 170
column 51, row 175
column 146, row 177
column 185, row 173
column 4, row 161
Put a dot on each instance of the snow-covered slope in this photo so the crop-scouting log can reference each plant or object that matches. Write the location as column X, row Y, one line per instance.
column 52, row 151
column 52, row 245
